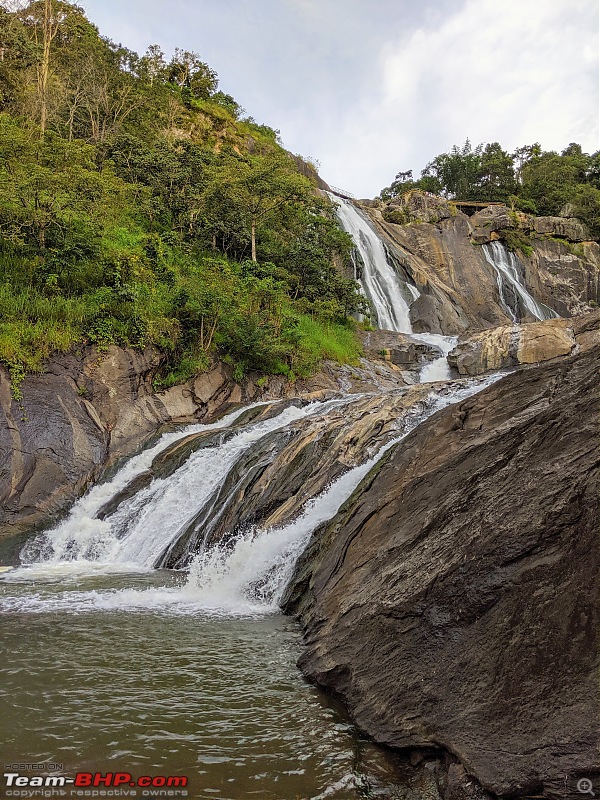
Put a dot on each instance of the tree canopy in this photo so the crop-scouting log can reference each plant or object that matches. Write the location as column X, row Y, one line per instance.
column 139, row 206
column 529, row 179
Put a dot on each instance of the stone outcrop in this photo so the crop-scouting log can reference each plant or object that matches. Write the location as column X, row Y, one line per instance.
column 511, row 345
column 453, row 601
column 563, row 276
column 572, row 229
column 397, row 349
column 418, row 207
column 488, row 221
column 446, row 266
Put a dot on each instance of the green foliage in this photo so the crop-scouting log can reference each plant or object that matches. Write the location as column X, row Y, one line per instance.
column 522, row 204
column 145, row 211
column 517, row 240
column 529, row 180
column 315, row 340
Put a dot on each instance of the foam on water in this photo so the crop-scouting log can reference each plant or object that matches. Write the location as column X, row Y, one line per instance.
column 137, row 533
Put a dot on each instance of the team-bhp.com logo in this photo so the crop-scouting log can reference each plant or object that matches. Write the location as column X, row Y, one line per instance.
column 89, row 780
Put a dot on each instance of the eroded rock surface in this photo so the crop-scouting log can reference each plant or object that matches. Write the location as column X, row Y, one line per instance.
column 443, row 256
column 512, row 345
column 454, row 599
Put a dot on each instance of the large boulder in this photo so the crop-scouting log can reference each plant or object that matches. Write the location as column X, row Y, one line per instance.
column 397, row 348
column 453, row 602
column 417, row 206
column 488, row 221
column 511, row 345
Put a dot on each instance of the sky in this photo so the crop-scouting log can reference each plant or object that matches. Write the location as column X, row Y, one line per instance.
column 369, row 88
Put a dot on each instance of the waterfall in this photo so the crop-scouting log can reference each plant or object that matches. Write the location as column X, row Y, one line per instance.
column 248, row 575
column 390, row 296
column 439, row 368
column 508, row 275
column 134, row 536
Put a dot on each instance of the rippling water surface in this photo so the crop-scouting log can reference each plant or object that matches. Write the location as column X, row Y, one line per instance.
column 172, row 692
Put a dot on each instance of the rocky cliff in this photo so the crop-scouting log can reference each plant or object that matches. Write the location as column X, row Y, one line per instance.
column 453, row 602
column 440, row 248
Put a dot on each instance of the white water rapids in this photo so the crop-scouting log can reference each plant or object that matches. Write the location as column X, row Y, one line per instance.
column 249, row 575
column 245, row 578
column 138, row 532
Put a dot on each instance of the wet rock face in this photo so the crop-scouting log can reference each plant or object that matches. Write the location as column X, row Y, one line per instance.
column 50, row 445
column 563, row 276
column 446, row 266
column 459, row 288
column 270, row 483
column 454, row 599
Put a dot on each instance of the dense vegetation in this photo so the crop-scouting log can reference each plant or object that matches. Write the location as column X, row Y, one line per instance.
column 138, row 206
column 530, row 179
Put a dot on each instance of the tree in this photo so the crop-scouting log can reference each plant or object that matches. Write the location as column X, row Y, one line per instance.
column 402, row 183
column 522, row 156
column 44, row 18
column 153, row 65
column 255, row 187
column 457, row 171
column 496, row 176
column 187, row 71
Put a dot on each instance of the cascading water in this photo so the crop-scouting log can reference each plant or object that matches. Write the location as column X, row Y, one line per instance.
column 169, row 660
column 388, row 293
column 247, row 576
column 508, row 275
column 135, row 535
column 160, row 672
column 439, row 368
column 390, row 296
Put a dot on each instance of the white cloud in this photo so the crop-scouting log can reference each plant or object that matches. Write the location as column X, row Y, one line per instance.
column 515, row 72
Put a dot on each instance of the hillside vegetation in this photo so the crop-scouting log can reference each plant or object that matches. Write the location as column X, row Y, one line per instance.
column 139, row 206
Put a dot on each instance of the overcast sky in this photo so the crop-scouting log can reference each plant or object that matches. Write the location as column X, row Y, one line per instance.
column 371, row 87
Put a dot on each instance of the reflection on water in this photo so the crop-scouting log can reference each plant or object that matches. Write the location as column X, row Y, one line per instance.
column 216, row 698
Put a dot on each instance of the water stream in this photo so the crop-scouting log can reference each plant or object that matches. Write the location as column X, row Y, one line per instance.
column 390, row 296
column 114, row 665
column 514, row 295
